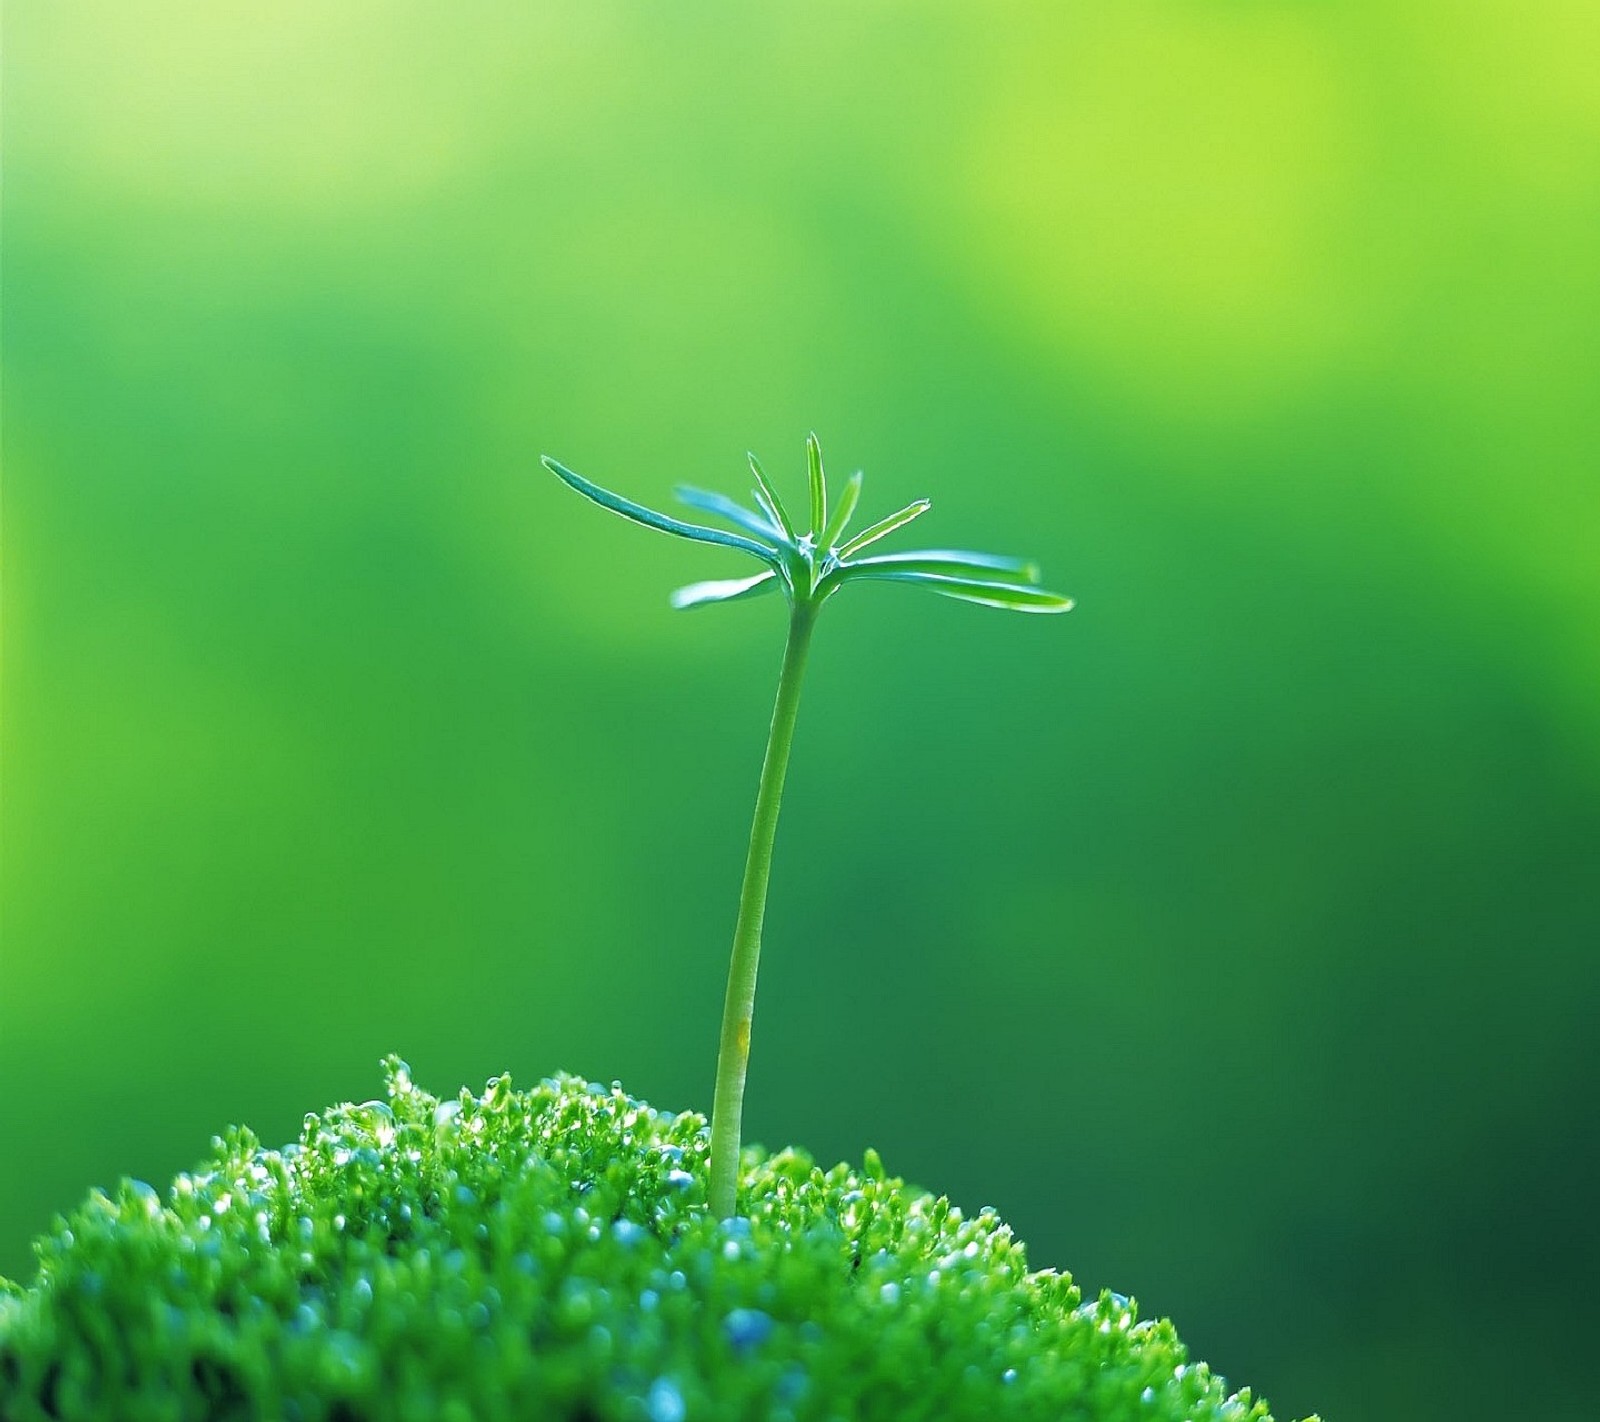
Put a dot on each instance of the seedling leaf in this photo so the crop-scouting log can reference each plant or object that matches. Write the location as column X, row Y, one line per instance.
column 724, row 590
column 735, row 513
column 819, row 486
column 885, row 526
column 956, row 562
column 650, row 518
column 769, row 498
column 841, row 512
column 1010, row 596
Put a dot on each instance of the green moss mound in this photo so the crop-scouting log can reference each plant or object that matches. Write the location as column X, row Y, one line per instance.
column 548, row 1254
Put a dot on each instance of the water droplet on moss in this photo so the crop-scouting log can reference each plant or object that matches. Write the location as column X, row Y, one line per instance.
column 747, row 1328
column 664, row 1402
column 144, row 1196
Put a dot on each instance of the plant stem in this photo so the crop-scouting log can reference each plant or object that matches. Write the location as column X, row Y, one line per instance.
column 733, row 1059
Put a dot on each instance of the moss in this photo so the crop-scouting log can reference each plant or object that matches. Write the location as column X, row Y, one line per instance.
column 548, row 1254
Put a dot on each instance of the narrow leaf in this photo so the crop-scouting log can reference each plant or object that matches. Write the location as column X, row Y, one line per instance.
column 724, row 590
column 769, row 499
column 650, row 518
column 1009, row 596
column 885, row 526
column 819, row 486
column 734, row 513
column 765, row 507
column 955, row 562
column 841, row 512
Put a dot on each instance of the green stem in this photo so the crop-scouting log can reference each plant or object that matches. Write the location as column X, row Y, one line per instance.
column 733, row 1059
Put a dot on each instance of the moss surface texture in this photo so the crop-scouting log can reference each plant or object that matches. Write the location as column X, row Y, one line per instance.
column 549, row 1254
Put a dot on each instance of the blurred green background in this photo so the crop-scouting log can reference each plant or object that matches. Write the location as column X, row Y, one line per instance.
column 1235, row 936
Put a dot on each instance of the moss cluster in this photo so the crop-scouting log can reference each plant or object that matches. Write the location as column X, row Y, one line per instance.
column 548, row 1254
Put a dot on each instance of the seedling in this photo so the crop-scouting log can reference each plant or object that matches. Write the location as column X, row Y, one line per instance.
column 808, row 567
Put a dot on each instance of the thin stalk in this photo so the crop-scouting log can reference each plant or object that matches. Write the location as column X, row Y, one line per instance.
column 733, row 1059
